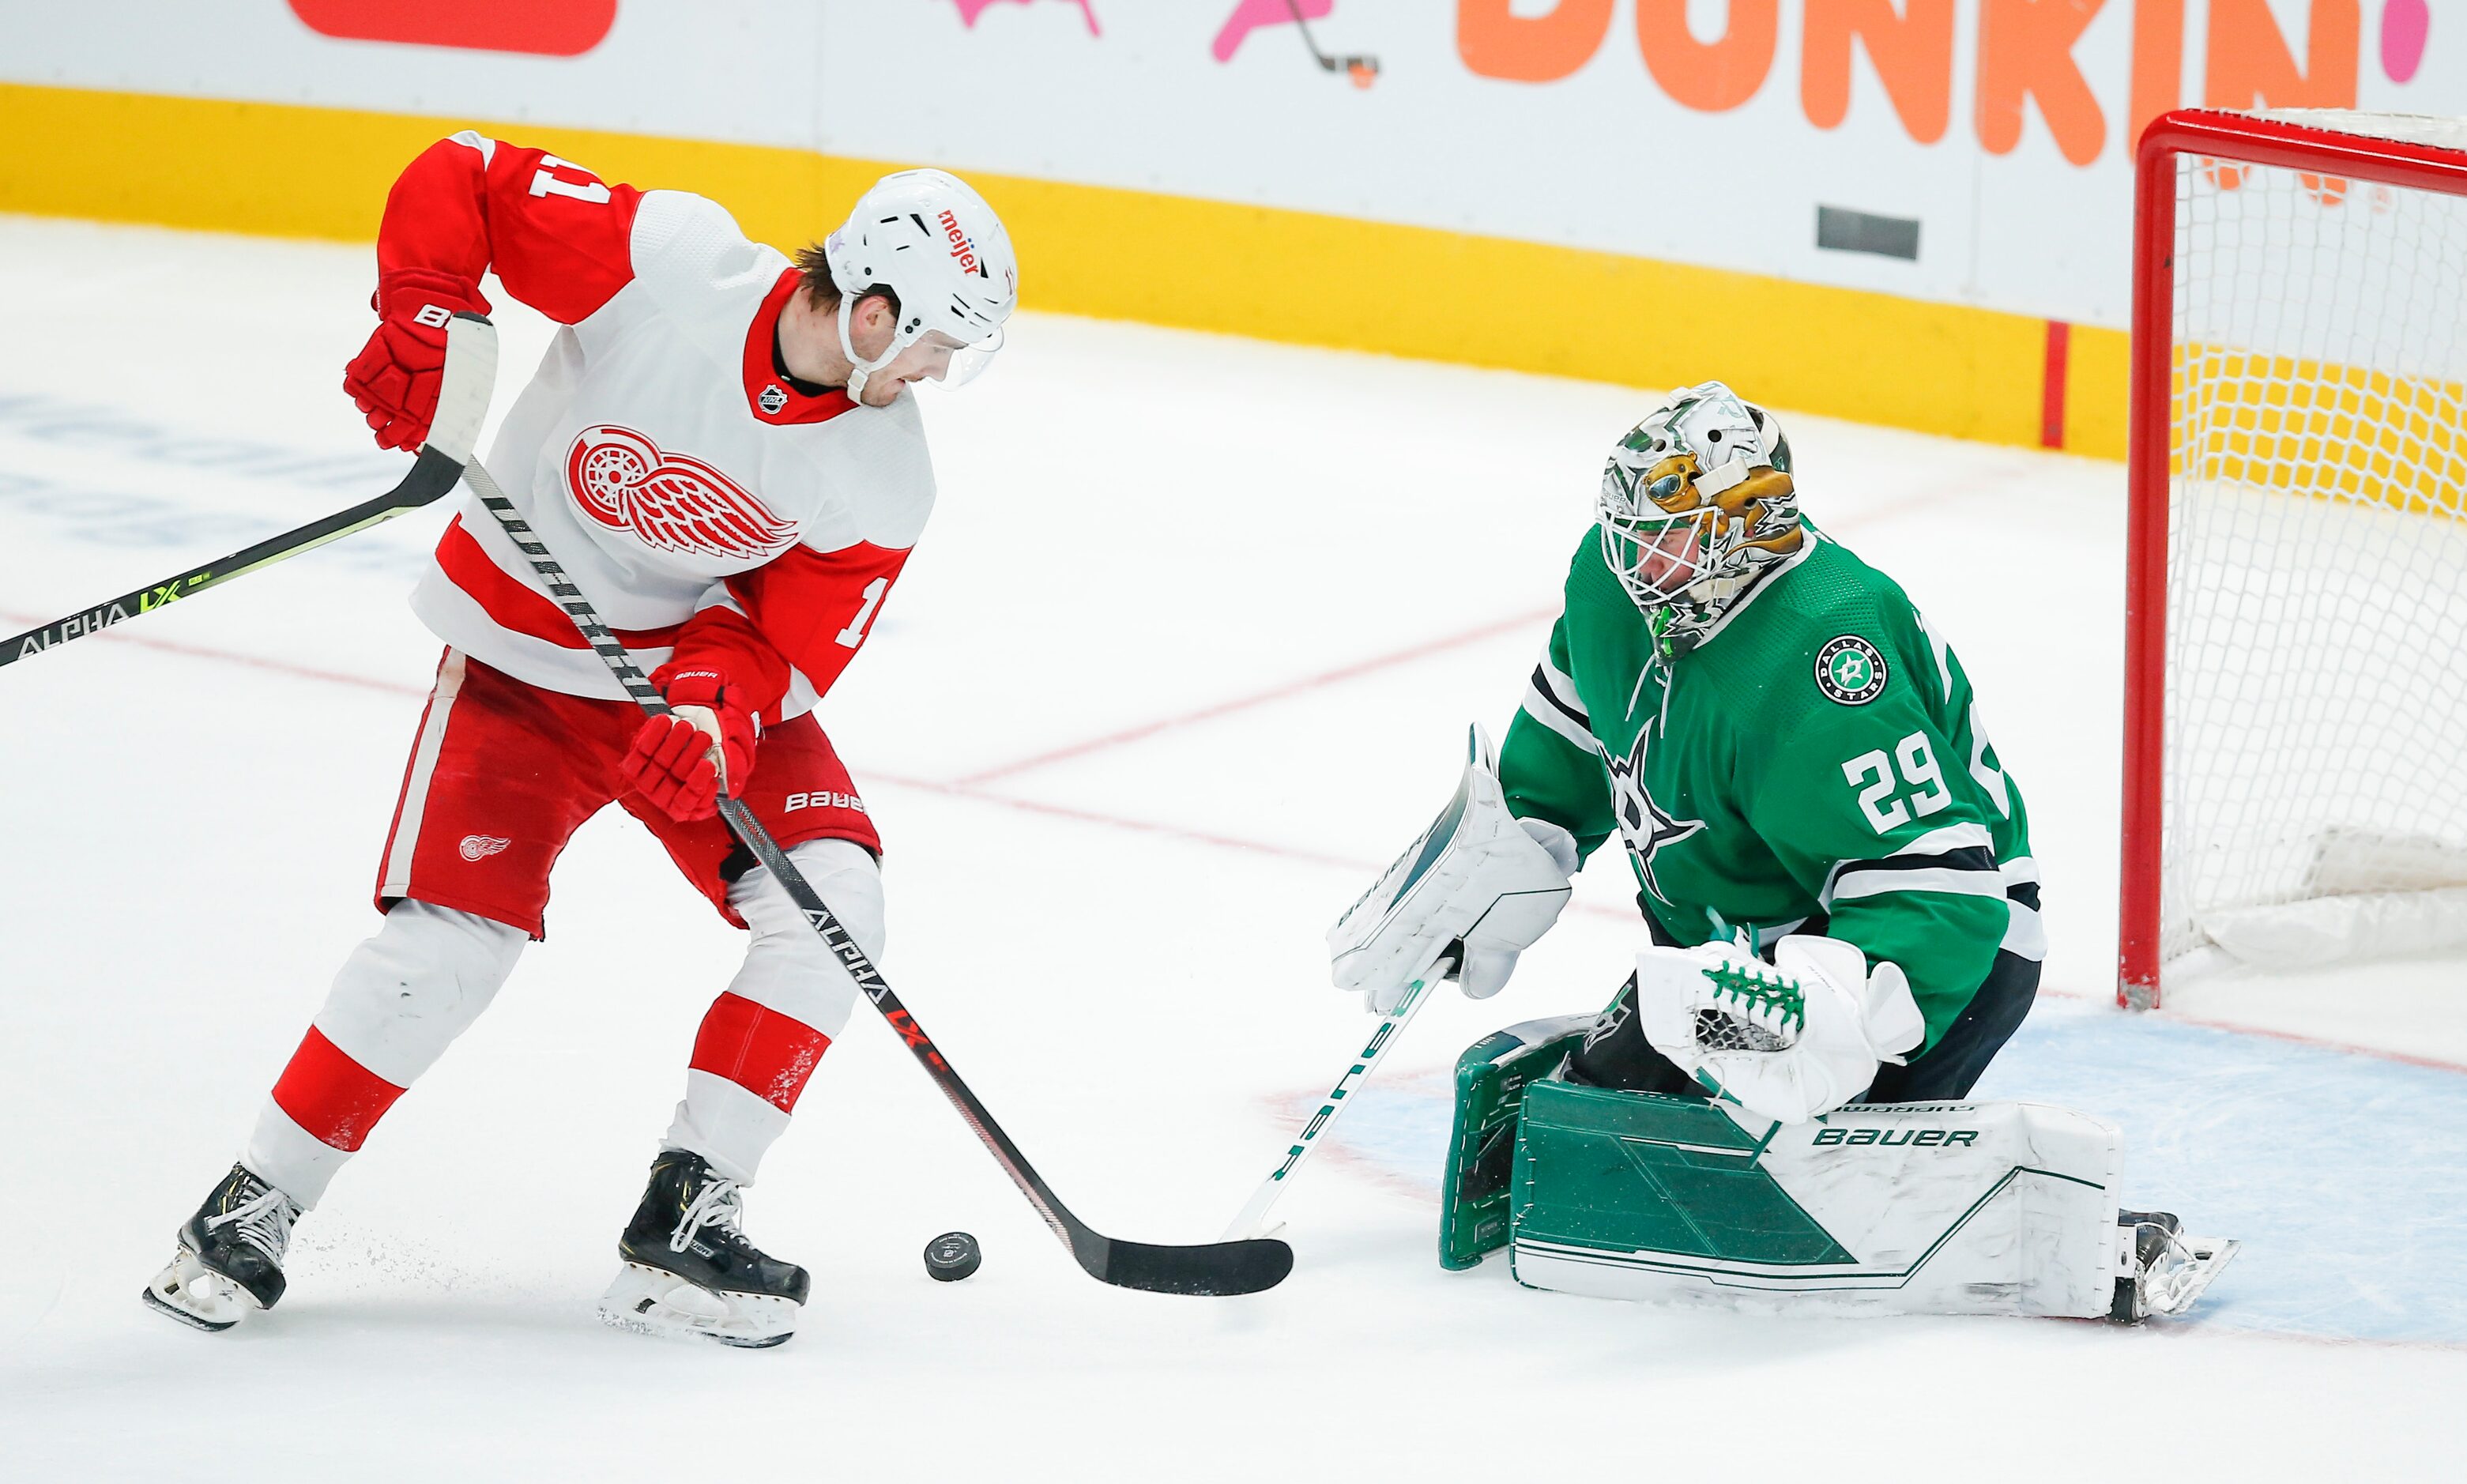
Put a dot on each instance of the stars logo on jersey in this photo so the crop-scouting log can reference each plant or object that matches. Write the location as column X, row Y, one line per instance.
column 1850, row 670
column 670, row 502
column 1647, row 827
column 773, row 398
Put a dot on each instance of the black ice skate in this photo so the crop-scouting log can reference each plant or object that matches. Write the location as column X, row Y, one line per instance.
column 688, row 1268
column 230, row 1256
column 2159, row 1270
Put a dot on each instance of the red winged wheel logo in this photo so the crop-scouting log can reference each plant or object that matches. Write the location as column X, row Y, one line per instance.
column 669, row 500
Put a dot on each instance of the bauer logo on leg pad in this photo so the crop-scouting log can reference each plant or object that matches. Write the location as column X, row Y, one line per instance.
column 823, row 799
column 1917, row 1139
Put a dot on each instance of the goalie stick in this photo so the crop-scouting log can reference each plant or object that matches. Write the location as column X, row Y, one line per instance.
column 1216, row 1269
column 462, row 403
column 1252, row 1219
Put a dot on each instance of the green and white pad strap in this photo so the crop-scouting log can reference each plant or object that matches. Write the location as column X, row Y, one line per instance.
column 1479, row 876
column 1787, row 1040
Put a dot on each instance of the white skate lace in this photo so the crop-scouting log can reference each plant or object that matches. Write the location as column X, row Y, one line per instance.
column 264, row 1223
column 715, row 1205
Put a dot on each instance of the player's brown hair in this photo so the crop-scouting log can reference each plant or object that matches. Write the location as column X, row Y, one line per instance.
column 815, row 272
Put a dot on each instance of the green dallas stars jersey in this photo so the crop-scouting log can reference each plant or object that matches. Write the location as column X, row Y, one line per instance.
column 1816, row 756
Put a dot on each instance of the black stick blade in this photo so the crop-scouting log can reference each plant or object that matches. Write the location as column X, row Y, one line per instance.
column 1219, row 1270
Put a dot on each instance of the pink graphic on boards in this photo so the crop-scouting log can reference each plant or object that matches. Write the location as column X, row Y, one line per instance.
column 970, row 10
column 2405, row 23
column 1251, row 14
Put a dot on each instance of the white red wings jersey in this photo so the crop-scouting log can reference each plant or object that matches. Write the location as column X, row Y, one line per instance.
column 709, row 508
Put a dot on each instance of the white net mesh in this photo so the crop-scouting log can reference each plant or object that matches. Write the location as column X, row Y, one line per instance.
column 2317, row 586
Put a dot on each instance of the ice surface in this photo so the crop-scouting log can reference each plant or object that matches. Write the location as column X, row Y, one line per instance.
column 1119, row 948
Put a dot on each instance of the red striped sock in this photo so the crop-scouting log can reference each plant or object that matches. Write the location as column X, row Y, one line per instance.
column 769, row 1055
column 334, row 1098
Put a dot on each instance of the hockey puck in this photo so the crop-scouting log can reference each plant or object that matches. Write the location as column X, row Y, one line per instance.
column 952, row 1256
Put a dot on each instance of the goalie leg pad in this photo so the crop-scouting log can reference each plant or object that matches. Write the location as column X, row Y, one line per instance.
column 1931, row 1208
column 1491, row 1078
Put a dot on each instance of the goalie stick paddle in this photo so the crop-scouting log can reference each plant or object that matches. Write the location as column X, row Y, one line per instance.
column 462, row 403
column 1252, row 1219
column 1217, row 1269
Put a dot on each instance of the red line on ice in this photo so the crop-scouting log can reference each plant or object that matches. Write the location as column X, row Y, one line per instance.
column 1334, row 677
column 964, row 789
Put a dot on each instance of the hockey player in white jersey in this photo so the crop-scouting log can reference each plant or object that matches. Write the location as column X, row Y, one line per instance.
column 722, row 447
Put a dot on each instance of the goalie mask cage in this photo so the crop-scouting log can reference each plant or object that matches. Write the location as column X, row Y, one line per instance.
column 2296, row 613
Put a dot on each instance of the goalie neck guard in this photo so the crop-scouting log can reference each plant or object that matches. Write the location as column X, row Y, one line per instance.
column 1696, row 504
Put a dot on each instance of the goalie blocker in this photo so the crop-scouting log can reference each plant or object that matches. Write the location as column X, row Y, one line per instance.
column 1919, row 1209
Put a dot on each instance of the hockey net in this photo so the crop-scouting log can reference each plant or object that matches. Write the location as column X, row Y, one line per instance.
column 2296, row 625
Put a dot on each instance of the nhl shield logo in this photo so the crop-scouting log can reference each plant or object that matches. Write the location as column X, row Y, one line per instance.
column 773, row 398
column 670, row 500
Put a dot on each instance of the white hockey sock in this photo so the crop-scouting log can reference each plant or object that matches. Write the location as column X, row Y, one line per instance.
column 761, row 1039
column 398, row 1000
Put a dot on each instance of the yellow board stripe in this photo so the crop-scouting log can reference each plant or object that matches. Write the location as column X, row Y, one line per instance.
column 288, row 170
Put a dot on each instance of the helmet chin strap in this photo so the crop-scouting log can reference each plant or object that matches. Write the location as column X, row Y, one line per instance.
column 859, row 368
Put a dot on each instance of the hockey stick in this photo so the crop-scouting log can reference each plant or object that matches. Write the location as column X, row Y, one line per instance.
column 462, row 403
column 1362, row 70
column 1252, row 1219
column 1223, row 1268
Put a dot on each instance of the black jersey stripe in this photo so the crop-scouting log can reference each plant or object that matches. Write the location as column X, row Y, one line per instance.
column 1551, row 693
column 1966, row 858
column 1871, row 878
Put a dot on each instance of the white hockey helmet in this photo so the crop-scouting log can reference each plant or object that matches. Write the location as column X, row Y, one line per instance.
column 928, row 238
column 1696, row 502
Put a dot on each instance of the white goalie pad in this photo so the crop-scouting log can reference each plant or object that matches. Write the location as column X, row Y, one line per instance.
column 1479, row 876
column 2004, row 1208
column 1788, row 1040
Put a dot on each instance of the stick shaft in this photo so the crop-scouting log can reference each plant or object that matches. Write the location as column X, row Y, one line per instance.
column 470, row 375
column 749, row 830
column 1217, row 1269
column 430, row 477
column 1252, row 1219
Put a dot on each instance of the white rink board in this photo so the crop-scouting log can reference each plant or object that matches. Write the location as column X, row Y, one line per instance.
column 1130, row 94
column 1120, row 950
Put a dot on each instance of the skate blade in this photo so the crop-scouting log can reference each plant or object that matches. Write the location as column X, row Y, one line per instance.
column 2185, row 1283
column 646, row 1301
column 187, row 1292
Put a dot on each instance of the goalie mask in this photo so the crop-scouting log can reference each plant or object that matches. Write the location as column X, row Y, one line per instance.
column 1696, row 505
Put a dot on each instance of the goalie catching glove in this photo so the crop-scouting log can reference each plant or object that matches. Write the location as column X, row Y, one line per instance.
column 1787, row 1040
column 1479, row 887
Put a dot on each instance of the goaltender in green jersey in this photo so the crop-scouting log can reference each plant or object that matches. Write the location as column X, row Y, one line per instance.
column 1782, row 745
column 1836, row 872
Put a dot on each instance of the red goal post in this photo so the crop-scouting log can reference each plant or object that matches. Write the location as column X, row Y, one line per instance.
column 2296, row 464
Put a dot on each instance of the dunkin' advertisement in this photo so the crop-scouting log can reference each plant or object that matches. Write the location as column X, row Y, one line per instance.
column 1973, row 152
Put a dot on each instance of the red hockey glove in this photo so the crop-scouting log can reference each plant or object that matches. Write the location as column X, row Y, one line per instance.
column 671, row 763
column 395, row 377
